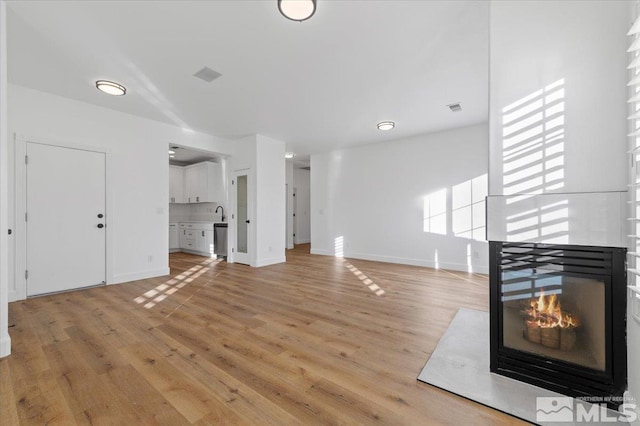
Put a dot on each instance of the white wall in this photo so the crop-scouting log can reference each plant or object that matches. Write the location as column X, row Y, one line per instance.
column 633, row 325
column 301, row 182
column 267, row 200
column 244, row 158
column 138, row 174
column 372, row 199
column 583, row 44
column 271, row 202
column 5, row 340
column 290, row 201
column 534, row 44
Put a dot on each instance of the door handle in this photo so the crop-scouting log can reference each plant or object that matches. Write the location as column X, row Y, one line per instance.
column 247, row 221
column 100, row 226
column 100, row 215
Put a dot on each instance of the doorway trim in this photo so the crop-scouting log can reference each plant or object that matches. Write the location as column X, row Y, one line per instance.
column 251, row 232
column 19, row 290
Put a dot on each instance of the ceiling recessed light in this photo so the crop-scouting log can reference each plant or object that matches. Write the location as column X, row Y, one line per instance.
column 171, row 152
column 386, row 125
column 111, row 88
column 289, row 155
column 297, row 10
column 455, row 107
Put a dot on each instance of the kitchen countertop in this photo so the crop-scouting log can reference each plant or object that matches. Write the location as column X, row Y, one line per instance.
column 196, row 221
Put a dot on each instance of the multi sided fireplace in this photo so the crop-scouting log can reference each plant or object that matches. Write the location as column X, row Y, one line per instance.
column 558, row 316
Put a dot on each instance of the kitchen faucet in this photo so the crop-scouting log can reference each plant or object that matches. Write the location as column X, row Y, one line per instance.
column 220, row 207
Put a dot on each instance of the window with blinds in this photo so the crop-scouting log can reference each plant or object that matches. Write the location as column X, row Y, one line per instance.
column 633, row 271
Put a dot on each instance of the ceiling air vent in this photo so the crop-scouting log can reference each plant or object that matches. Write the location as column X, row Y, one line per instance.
column 455, row 107
column 207, row 74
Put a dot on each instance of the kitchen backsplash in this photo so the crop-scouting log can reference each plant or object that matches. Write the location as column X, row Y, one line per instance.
column 201, row 211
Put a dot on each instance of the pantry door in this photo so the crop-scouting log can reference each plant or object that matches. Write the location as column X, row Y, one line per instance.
column 65, row 218
column 242, row 217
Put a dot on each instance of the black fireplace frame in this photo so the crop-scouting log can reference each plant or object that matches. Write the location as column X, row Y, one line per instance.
column 561, row 376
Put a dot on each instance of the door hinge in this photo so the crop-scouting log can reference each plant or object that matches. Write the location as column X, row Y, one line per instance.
column 26, row 159
column 26, row 275
column 25, row 217
column 233, row 250
column 233, row 182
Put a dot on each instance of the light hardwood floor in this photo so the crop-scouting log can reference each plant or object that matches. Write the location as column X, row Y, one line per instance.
column 318, row 340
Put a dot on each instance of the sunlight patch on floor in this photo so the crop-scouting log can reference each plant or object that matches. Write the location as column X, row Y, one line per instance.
column 156, row 295
column 364, row 278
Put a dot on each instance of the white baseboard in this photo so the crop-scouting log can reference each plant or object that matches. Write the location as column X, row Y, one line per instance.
column 480, row 269
column 5, row 345
column 197, row 253
column 174, row 250
column 289, row 246
column 270, row 261
column 304, row 241
column 125, row 278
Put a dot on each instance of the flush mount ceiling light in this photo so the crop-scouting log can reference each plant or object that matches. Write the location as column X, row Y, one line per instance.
column 111, row 88
column 171, row 152
column 289, row 155
column 386, row 125
column 172, row 156
column 297, row 10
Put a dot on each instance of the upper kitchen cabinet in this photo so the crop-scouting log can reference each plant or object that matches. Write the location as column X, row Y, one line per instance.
column 176, row 184
column 203, row 183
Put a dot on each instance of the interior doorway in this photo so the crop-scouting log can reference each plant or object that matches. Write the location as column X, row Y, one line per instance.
column 242, row 216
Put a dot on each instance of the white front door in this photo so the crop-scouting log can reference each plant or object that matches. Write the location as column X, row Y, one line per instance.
column 242, row 217
column 66, row 218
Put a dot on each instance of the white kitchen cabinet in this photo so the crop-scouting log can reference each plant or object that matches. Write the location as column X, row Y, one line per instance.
column 203, row 183
column 196, row 237
column 174, row 238
column 206, row 242
column 176, row 184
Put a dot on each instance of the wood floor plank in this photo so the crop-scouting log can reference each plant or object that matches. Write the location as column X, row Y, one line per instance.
column 8, row 411
column 304, row 342
column 187, row 396
column 89, row 395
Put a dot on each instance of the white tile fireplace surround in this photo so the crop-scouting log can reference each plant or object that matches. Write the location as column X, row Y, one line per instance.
column 586, row 219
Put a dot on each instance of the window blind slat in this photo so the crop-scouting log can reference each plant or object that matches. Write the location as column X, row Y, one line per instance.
column 635, row 28
column 634, row 81
column 635, row 63
column 634, row 46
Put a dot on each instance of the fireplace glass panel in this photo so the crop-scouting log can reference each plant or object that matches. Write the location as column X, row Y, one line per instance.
column 555, row 315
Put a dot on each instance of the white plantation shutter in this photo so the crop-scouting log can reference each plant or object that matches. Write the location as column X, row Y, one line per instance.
column 633, row 274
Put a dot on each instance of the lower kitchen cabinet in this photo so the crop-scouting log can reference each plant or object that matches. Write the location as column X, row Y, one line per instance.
column 196, row 238
column 174, row 237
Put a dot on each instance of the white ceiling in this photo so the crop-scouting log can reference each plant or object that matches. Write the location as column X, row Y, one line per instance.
column 317, row 85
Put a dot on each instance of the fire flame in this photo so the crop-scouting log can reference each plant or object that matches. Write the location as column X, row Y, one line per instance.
column 546, row 312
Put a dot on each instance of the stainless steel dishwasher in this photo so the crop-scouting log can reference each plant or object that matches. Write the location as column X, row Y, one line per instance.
column 220, row 239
